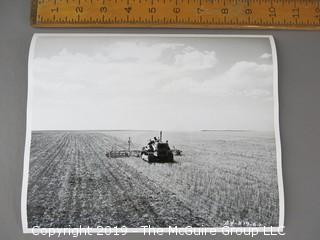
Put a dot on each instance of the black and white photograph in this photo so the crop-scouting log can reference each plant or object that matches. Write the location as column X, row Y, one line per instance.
column 152, row 130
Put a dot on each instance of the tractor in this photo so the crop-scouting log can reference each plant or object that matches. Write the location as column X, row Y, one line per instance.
column 157, row 151
column 154, row 151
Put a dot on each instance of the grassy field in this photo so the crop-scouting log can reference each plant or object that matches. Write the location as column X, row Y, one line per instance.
column 222, row 177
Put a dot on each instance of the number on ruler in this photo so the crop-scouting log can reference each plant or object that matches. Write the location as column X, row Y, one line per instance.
column 128, row 9
column 79, row 9
column 224, row 10
column 200, row 10
column 152, row 10
column 272, row 12
column 248, row 11
column 55, row 10
column 176, row 10
column 295, row 12
column 103, row 9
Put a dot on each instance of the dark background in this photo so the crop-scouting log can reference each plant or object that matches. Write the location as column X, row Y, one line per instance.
column 299, row 93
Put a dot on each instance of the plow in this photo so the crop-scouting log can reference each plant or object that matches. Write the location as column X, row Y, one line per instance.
column 115, row 153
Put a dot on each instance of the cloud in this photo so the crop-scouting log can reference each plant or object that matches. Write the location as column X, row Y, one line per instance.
column 121, row 67
column 192, row 59
column 122, row 73
column 242, row 79
column 266, row 56
column 137, row 51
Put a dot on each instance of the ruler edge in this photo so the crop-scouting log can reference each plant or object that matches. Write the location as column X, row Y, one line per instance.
column 36, row 24
column 34, row 12
column 175, row 26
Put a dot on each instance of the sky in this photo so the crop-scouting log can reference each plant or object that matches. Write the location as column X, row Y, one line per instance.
column 151, row 83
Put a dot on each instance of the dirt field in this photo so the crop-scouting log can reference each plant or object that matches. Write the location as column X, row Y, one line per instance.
column 73, row 183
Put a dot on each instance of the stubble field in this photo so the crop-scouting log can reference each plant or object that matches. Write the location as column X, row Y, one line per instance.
column 221, row 178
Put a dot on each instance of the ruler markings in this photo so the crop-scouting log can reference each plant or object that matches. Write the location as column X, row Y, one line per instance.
column 294, row 14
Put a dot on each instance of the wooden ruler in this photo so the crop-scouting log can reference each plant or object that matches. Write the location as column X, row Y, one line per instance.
column 244, row 14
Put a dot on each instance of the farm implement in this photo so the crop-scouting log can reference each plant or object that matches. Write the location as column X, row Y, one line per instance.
column 154, row 151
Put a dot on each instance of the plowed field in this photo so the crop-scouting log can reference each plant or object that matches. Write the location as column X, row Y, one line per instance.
column 73, row 183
